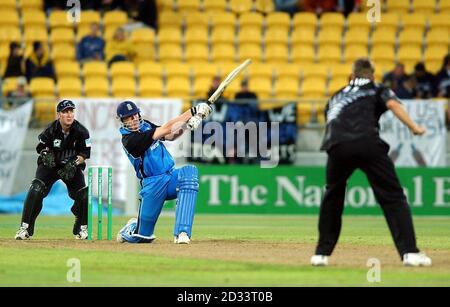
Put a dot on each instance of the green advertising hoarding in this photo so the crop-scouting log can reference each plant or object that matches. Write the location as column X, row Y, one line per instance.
column 299, row 190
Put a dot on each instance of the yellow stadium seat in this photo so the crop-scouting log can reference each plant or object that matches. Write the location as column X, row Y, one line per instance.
column 411, row 38
column 305, row 20
column 250, row 51
column 359, row 21
column 389, row 21
column 286, row 88
column 62, row 35
column 332, row 21
column 426, row 7
column 204, row 70
column 222, row 35
column 214, row 5
column 439, row 21
column 351, row 53
column 165, row 5
column 276, row 54
column 414, row 21
column 302, row 54
column 240, row 6
column 356, row 37
column 383, row 38
column 196, row 36
column 188, row 6
column 109, row 33
column 44, row 109
column 434, row 55
column 169, row 36
column 42, row 87
column 315, row 71
column 150, row 69
column 437, row 37
column 63, row 52
column 144, row 40
column 35, row 34
column 223, row 53
column 87, row 17
column 249, row 36
column 304, row 112
column 197, row 53
column 260, row 70
column 409, row 56
column 8, row 5
column 336, row 84
column 122, row 69
column 224, row 68
column 169, row 19
column 261, row 86
column 341, row 70
column 58, row 19
column 195, row 20
column 178, row 87
column 275, row 36
column 4, row 54
column 9, row 84
column 96, row 87
column 329, row 55
column 313, row 88
column 8, row 35
column 381, row 55
column 251, row 20
column 114, row 18
column 170, row 53
column 10, row 18
column 329, row 37
column 95, row 69
column 69, row 87
column 177, row 70
column 444, row 6
column 123, row 87
column 302, row 36
column 285, row 71
column 398, row 6
column 278, row 20
column 150, row 87
column 83, row 31
column 67, row 69
column 264, row 6
column 223, row 20
column 201, row 87
column 26, row 5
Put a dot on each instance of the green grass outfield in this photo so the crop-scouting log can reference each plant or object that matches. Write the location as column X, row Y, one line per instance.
column 227, row 250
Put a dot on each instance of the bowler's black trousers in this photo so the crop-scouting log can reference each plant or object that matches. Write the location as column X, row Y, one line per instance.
column 371, row 156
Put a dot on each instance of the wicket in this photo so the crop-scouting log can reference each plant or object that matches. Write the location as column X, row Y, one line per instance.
column 100, row 199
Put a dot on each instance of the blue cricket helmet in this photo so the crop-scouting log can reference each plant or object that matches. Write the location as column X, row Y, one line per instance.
column 127, row 108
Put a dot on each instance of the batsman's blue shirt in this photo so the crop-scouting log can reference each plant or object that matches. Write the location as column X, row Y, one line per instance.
column 149, row 157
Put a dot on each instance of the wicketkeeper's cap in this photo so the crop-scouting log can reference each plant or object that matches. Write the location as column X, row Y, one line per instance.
column 65, row 104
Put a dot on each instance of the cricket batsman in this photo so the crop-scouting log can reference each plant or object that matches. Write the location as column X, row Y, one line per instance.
column 160, row 181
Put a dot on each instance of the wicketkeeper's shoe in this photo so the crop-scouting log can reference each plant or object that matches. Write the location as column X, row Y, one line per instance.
column 319, row 260
column 83, row 233
column 182, row 238
column 416, row 259
column 22, row 233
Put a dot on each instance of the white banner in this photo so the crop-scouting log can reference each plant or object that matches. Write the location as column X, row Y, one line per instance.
column 99, row 117
column 13, row 128
column 410, row 150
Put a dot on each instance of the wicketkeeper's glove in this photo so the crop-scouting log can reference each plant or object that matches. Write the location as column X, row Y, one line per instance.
column 68, row 170
column 48, row 158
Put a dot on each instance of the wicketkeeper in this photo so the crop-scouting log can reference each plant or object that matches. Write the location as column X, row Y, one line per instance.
column 155, row 168
column 63, row 148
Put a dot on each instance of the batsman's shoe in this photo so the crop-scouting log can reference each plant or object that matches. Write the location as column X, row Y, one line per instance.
column 22, row 233
column 126, row 234
column 83, row 233
column 182, row 238
column 416, row 259
column 319, row 260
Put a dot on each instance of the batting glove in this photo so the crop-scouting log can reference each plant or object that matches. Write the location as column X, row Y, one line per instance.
column 202, row 109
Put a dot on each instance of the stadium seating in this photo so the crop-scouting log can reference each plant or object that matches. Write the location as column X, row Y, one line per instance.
column 123, row 87
column 69, row 87
column 67, row 69
column 264, row 6
column 96, row 87
column 398, row 6
column 151, row 87
column 95, row 69
column 213, row 6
